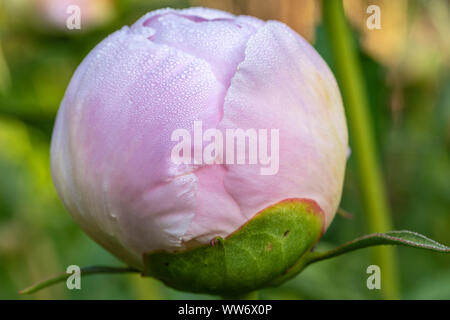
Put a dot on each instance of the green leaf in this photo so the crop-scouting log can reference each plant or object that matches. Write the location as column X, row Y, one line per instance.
column 402, row 238
column 249, row 259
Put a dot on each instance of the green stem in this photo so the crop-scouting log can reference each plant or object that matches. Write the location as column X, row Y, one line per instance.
column 5, row 75
column 402, row 238
column 349, row 75
column 84, row 272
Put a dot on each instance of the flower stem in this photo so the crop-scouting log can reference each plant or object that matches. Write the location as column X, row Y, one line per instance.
column 84, row 272
column 5, row 75
column 350, row 78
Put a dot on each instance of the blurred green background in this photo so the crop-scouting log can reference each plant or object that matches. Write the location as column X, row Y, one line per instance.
column 406, row 70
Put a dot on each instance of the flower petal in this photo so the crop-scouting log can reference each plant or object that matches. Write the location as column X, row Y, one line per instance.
column 112, row 143
column 284, row 84
column 211, row 35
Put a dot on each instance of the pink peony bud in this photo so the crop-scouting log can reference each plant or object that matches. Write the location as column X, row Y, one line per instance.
column 193, row 71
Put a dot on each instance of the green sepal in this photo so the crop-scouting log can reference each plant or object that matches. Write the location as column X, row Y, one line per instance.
column 249, row 259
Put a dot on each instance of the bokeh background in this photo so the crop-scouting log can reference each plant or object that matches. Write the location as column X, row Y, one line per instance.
column 406, row 71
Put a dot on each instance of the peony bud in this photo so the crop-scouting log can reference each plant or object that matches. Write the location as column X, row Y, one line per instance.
column 193, row 76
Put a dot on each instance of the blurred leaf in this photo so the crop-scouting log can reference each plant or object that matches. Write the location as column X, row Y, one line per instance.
column 432, row 286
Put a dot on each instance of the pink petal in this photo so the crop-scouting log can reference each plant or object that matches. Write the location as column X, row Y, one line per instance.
column 284, row 84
